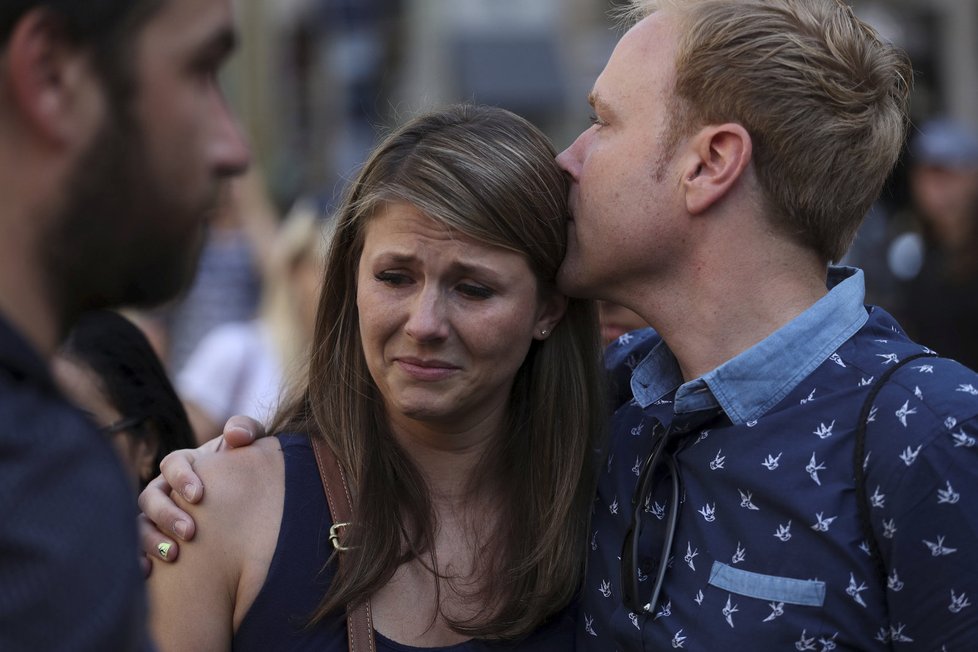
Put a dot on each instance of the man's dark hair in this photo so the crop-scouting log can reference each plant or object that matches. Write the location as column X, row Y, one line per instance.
column 106, row 27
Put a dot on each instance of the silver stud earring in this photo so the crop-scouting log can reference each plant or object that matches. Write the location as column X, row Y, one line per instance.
column 543, row 332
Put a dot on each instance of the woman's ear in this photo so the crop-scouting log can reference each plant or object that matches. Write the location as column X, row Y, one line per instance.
column 550, row 313
column 144, row 447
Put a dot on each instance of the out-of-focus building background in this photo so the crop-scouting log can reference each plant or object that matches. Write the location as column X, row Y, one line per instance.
column 316, row 78
column 317, row 81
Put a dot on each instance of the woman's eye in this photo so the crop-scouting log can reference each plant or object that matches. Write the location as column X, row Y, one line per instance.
column 475, row 291
column 392, row 278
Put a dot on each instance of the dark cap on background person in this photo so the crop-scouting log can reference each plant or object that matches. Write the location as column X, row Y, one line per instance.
column 946, row 143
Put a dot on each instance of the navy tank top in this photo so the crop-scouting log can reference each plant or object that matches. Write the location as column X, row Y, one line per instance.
column 298, row 577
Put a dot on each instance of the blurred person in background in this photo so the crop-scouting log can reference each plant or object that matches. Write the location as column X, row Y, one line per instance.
column 108, row 368
column 240, row 367
column 227, row 285
column 114, row 142
column 936, row 261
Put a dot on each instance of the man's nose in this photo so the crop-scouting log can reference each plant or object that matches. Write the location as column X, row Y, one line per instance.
column 231, row 152
column 569, row 160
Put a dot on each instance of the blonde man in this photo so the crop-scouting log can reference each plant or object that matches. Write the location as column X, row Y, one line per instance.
column 736, row 147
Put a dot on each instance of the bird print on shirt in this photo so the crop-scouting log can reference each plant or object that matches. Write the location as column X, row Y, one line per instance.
column 893, row 582
column 637, row 467
column 968, row 389
column 784, row 532
column 665, row 611
column 746, row 501
column 805, row 642
column 690, row 555
column 708, row 512
column 958, row 602
column 718, row 461
column 824, row 431
column 889, row 529
column 854, row 591
column 739, row 555
column 904, row 412
column 657, row 509
column 710, row 484
column 605, row 588
column 589, row 625
column 822, row 524
column 777, row 609
column 625, row 339
column 678, row 640
column 963, row 440
column 948, row 496
column 877, row 499
column 813, row 468
column 632, row 361
column 897, row 635
column 910, row 456
column 938, row 549
column 728, row 611
column 837, row 359
column 703, row 435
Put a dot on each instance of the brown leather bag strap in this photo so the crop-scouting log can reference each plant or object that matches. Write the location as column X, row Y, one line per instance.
column 359, row 623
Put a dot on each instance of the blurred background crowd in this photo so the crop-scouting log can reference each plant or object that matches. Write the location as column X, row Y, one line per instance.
column 316, row 82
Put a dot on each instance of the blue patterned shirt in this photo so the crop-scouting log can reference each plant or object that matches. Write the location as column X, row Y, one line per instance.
column 769, row 552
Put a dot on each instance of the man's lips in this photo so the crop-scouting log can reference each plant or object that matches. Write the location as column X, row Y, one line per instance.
column 425, row 369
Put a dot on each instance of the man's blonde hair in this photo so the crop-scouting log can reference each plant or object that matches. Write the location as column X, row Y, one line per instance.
column 823, row 97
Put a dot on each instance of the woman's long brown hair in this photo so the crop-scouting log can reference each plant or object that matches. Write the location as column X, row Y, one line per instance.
column 489, row 175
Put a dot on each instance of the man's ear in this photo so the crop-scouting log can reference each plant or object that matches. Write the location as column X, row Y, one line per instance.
column 49, row 78
column 720, row 154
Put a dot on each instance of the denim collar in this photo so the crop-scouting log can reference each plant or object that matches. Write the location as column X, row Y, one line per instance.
column 756, row 380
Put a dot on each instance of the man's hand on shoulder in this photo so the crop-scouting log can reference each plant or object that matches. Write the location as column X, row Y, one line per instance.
column 162, row 523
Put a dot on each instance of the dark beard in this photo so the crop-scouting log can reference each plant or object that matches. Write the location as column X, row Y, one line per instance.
column 122, row 239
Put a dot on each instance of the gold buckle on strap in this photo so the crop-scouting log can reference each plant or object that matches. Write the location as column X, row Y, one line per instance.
column 334, row 536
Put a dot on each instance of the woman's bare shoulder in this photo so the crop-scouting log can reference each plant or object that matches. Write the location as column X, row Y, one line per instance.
column 243, row 488
column 203, row 595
